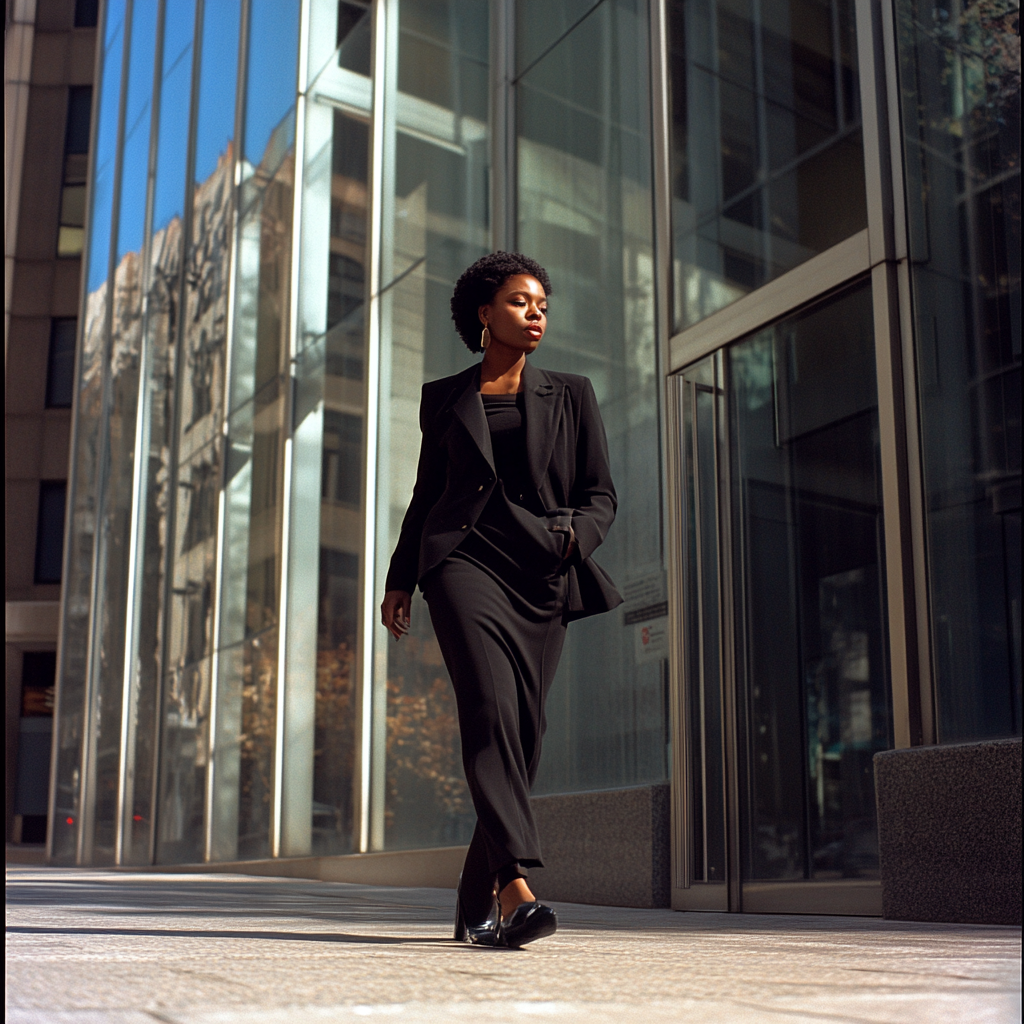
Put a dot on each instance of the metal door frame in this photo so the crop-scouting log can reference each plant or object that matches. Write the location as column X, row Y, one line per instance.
column 880, row 250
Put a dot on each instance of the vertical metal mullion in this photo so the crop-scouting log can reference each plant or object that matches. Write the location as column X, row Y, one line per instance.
column 289, row 426
column 908, row 363
column 727, row 639
column 698, row 570
column 676, row 512
column 373, row 661
column 86, row 780
column 837, row 67
column 764, row 168
column 503, row 124
column 895, row 379
column 671, row 424
column 137, row 526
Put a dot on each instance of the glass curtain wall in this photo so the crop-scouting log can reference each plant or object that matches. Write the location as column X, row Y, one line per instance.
column 238, row 409
column 959, row 65
column 155, row 502
column 244, row 740
column 74, row 738
column 584, row 207
column 197, row 459
column 435, row 222
column 767, row 158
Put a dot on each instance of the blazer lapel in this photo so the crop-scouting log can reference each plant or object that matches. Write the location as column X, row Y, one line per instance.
column 469, row 409
column 543, row 404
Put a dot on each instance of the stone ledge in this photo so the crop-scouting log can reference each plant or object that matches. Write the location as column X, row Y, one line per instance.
column 949, row 821
column 608, row 847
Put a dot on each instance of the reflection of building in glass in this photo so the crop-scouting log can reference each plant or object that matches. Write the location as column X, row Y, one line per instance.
column 784, row 241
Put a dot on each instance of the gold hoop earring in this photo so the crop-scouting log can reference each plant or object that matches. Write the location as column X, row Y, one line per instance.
column 485, row 338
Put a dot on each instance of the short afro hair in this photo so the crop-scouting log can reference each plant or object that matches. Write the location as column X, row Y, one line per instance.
column 480, row 283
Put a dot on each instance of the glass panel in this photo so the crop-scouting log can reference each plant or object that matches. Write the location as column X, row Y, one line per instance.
column 184, row 756
column 355, row 35
column 270, row 98
column 206, row 273
column 540, row 24
column 189, row 642
column 259, row 347
column 157, row 485
column 330, row 439
column 246, row 677
column 960, row 88
column 323, row 699
column 244, row 749
column 77, row 590
column 767, row 163
column 702, row 639
column 116, row 480
column 584, row 202
column 437, row 224
column 340, row 37
column 811, row 636
column 199, row 381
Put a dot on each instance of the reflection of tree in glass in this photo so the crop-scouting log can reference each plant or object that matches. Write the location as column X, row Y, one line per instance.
column 205, row 307
column 256, row 742
column 422, row 733
column 980, row 46
column 334, row 749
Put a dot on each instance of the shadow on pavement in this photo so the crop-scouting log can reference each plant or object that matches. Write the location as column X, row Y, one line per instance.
column 192, row 933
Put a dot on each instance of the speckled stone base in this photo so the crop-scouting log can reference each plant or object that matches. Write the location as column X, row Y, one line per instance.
column 607, row 848
column 949, row 832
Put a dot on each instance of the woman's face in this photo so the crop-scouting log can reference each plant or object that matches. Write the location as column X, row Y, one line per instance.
column 518, row 314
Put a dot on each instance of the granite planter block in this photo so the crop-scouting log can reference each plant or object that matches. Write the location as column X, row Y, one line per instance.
column 949, row 832
column 609, row 847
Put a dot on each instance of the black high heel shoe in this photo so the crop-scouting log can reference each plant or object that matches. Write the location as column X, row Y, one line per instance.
column 527, row 923
column 485, row 933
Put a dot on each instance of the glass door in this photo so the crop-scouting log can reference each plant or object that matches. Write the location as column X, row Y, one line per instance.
column 785, row 685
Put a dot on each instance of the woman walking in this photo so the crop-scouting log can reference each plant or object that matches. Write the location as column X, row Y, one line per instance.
column 513, row 494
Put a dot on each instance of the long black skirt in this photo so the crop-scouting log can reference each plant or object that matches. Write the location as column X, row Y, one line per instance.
column 497, row 611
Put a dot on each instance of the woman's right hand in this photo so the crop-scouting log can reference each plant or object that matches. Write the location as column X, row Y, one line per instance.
column 394, row 612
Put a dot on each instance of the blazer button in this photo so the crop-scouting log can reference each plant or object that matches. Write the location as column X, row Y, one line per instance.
column 465, row 526
column 481, row 487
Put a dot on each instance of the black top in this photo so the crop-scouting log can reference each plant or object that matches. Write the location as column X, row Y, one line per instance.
column 506, row 424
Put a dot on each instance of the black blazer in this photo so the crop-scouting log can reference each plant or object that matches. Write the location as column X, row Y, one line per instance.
column 567, row 453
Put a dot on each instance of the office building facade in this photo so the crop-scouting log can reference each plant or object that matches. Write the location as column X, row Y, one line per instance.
column 784, row 245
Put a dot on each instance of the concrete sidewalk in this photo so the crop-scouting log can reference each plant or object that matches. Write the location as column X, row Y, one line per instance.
column 88, row 946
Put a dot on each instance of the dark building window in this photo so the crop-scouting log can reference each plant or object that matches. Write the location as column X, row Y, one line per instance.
column 354, row 35
column 50, row 531
column 76, row 155
column 60, row 373
column 38, row 674
column 341, row 477
column 86, row 13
